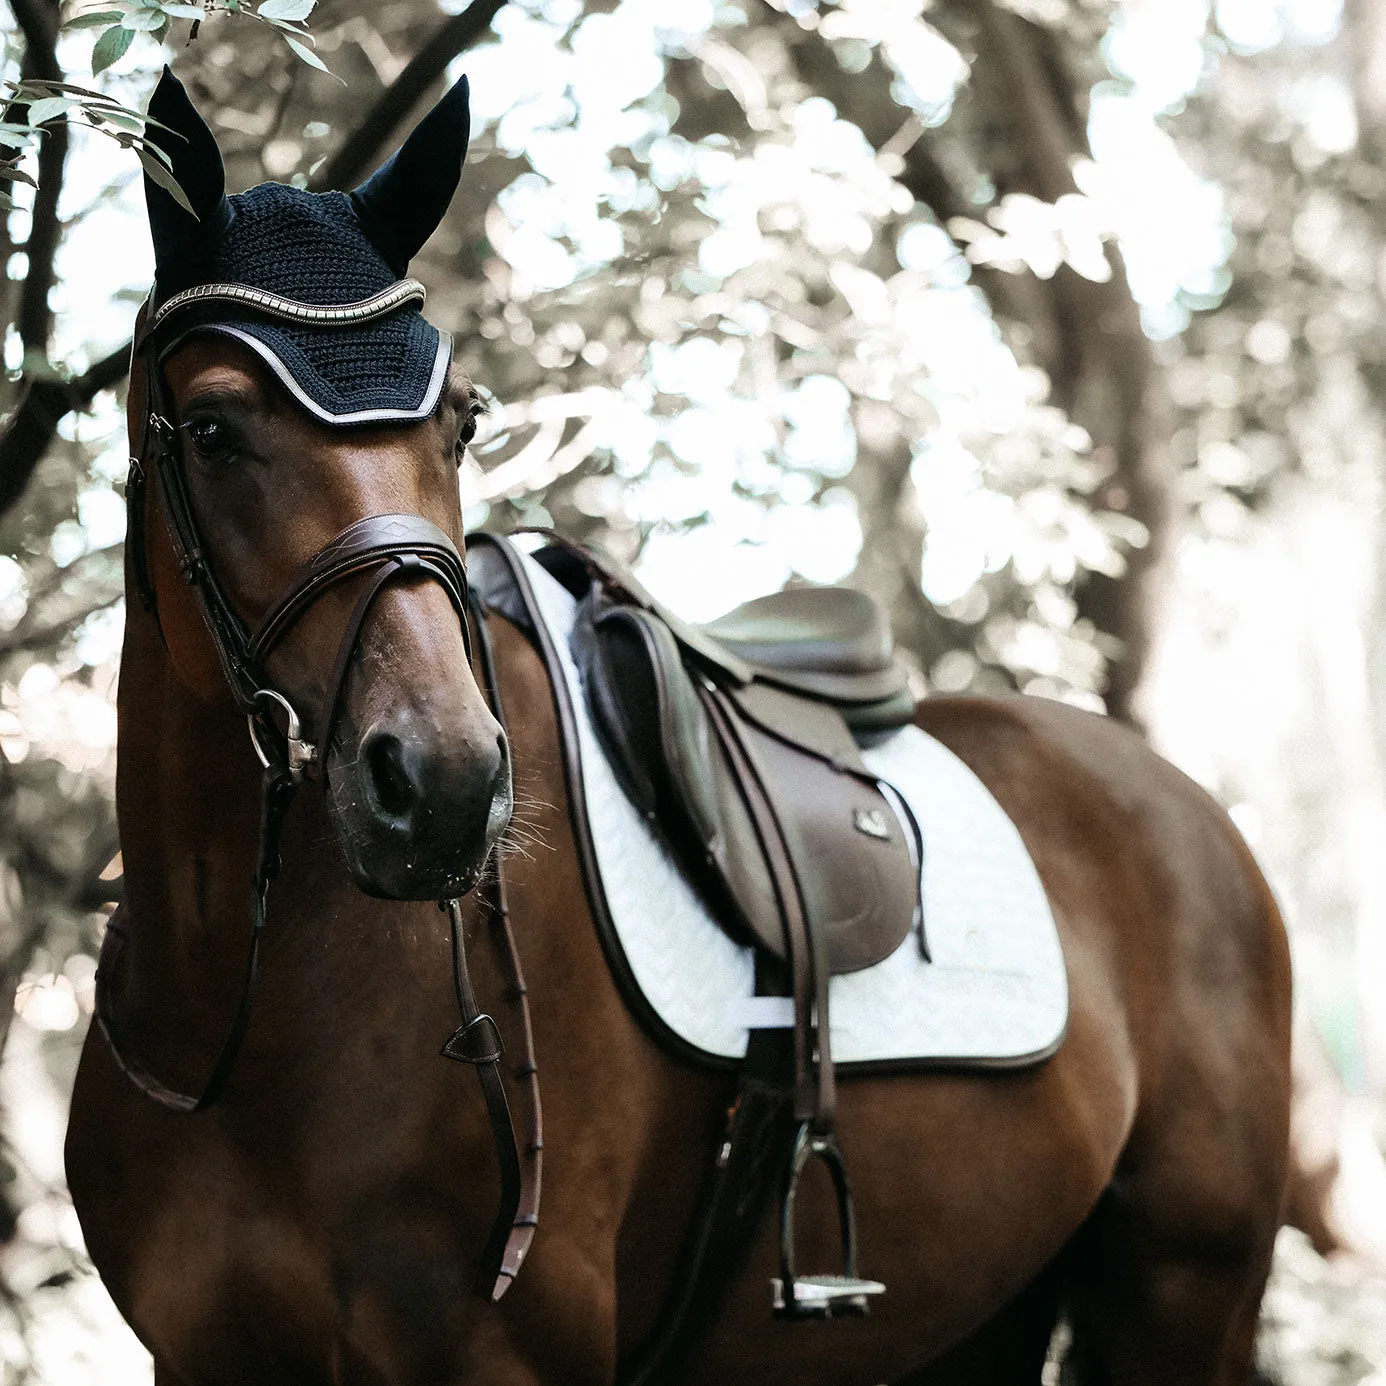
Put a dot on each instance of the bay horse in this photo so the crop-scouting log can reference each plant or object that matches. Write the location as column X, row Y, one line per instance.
column 321, row 1221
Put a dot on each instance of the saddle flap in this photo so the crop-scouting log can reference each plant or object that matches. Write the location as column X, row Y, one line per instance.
column 647, row 714
column 852, row 859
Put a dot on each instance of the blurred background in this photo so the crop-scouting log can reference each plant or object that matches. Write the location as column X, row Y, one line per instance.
column 1060, row 325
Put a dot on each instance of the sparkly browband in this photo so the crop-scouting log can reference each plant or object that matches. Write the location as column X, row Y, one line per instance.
column 276, row 306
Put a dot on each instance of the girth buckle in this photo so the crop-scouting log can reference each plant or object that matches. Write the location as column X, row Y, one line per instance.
column 298, row 754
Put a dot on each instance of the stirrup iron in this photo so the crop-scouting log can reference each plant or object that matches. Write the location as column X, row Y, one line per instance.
column 842, row 1296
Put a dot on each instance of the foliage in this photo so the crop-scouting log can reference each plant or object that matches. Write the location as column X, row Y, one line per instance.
column 34, row 103
column 156, row 17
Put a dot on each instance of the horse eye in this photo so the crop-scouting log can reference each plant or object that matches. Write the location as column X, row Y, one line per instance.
column 469, row 426
column 212, row 437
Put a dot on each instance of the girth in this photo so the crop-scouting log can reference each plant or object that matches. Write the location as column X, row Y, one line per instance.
column 387, row 548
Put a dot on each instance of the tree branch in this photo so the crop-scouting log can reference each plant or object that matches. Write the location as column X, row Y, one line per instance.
column 38, row 22
column 359, row 149
column 42, row 406
column 1100, row 363
column 38, row 19
column 44, row 403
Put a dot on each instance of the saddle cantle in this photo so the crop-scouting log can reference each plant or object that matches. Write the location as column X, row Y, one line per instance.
column 828, row 643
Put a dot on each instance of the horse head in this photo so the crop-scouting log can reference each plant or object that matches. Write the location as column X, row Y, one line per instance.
column 300, row 425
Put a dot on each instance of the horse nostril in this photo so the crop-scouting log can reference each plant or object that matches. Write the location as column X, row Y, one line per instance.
column 394, row 791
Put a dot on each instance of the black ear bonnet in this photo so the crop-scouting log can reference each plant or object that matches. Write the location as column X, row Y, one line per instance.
column 294, row 252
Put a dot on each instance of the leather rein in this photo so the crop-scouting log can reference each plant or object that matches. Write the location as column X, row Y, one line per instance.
column 387, row 547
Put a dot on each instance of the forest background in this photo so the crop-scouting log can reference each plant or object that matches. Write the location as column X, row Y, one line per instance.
column 1060, row 325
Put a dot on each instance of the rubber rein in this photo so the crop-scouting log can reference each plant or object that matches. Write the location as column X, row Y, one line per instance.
column 388, row 547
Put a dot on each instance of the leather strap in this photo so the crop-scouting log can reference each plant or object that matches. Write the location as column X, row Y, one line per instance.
column 361, row 546
column 518, row 1216
column 477, row 1041
column 815, row 1099
column 277, row 794
column 392, row 546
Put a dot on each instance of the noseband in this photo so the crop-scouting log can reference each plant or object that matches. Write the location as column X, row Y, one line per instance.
column 388, row 547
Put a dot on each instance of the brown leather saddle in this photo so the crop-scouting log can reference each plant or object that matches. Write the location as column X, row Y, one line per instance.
column 739, row 740
column 757, row 783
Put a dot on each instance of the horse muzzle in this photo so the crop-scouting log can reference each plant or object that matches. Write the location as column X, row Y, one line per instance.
column 417, row 811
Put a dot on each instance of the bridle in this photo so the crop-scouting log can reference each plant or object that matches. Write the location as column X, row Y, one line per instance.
column 388, row 547
column 391, row 545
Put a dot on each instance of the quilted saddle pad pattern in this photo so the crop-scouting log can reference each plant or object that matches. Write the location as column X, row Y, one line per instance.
column 994, row 995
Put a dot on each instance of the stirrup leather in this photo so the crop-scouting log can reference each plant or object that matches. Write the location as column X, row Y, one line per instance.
column 842, row 1296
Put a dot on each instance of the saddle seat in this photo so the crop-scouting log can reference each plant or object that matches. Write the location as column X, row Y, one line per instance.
column 829, row 643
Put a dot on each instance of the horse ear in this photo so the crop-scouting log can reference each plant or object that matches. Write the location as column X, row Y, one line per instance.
column 184, row 241
column 402, row 202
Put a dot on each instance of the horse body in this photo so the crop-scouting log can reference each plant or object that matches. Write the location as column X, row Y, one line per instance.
column 323, row 1224
column 322, row 1221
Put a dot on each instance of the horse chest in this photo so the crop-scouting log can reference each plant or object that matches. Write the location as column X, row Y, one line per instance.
column 237, row 1262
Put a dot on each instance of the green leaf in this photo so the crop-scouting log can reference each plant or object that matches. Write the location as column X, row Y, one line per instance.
column 286, row 9
column 92, row 18
column 161, row 33
column 110, row 48
column 140, row 142
column 121, row 119
column 143, row 21
column 160, row 175
column 6, row 201
column 85, row 92
column 306, row 54
column 48, row 108
column 16, row 175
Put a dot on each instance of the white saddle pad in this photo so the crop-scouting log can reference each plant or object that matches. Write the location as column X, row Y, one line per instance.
column 995, row 993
